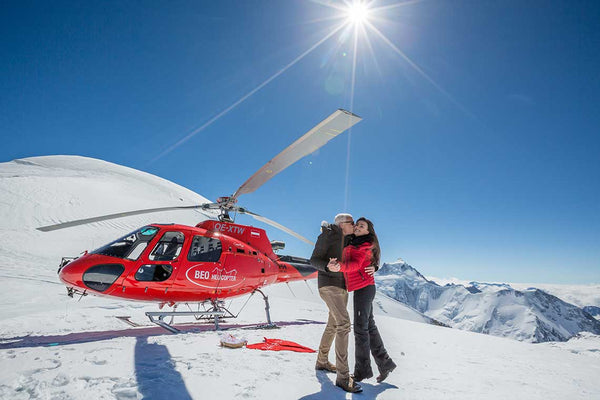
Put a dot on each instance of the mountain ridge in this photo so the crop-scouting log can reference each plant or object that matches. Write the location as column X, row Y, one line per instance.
column 531, row 315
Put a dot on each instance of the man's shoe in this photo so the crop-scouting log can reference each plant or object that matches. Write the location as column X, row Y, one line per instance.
column 329, row 367
column 360, row 377
column 348, row 385
column 385, row 372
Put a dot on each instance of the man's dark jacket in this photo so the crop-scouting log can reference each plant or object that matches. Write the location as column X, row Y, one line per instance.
column 330, row 244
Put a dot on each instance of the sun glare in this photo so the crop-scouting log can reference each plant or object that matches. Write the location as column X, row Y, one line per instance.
column 357, row 13
column 356, row 19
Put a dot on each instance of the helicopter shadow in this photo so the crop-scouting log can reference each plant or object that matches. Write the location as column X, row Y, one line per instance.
column 30, row 341
column 155, row 372
column 330, row 391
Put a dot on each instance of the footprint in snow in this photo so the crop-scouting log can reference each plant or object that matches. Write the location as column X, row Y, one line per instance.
column 56, row 364
column 124, row 390
column 60, row 380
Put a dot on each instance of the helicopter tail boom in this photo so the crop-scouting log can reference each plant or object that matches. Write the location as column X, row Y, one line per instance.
column 293, row 268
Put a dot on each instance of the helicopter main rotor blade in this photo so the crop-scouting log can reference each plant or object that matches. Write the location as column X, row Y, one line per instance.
column 274, row 224
column 326, row 130
column 84, row 221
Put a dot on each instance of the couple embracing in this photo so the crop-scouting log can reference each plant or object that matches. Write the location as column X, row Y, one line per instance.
column 347, row 255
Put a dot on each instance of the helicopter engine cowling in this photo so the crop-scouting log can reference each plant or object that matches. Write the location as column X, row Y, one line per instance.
column 251, row 235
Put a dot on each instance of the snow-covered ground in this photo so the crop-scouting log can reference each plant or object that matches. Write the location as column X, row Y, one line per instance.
column 433, row 362
column 55, row 347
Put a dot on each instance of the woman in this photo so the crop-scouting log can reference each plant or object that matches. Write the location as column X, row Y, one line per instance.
column 361, row 254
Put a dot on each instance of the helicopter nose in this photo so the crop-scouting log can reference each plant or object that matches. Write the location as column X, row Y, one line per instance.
column 70, row 274
column 97, row 277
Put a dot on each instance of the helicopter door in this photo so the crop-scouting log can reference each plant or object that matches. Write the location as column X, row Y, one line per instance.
column 153, row 277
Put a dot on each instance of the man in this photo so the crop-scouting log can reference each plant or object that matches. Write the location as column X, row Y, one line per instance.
column 332, row 289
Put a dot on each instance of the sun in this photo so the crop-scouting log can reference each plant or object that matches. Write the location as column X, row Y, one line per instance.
column 357, row 12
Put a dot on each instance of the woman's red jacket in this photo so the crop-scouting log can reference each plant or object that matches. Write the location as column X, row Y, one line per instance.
column 354, row 262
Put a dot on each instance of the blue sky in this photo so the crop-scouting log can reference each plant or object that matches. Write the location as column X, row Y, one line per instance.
column 478, row 155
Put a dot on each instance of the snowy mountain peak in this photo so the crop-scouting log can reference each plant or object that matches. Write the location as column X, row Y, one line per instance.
column 51, row 189
column 496, row 309
column 401, row 268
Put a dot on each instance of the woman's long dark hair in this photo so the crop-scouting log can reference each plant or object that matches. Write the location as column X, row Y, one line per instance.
column 376, row 252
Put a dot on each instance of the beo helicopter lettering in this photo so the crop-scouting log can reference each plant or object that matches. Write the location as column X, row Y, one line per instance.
column 202, row 275
column 205, row 275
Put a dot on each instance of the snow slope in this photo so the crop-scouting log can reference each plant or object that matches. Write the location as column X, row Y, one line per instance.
column 54, row 347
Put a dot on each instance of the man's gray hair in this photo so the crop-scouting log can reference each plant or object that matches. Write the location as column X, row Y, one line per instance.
column 343, row 217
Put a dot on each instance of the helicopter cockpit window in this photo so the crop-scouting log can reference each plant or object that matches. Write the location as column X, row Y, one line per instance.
column 129, row 246
column 137, row 250
column 205, row 249
column 168, row 247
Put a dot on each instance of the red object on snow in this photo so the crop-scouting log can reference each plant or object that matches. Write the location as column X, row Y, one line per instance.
column 279, row 345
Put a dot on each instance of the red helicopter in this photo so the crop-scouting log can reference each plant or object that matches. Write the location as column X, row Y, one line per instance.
column 214, row 260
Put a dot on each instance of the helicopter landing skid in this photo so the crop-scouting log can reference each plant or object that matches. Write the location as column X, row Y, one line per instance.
column 157, row 317
column 261, row 326
column 217, row 312
column 126, row 319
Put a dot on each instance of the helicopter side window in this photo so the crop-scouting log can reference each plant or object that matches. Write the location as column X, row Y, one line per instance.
column 168, row 247
column 153, row 273
column 205, row 249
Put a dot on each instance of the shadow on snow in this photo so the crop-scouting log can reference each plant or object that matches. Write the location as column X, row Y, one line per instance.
column 96, row 336
column 155, row 372
column 331, row 392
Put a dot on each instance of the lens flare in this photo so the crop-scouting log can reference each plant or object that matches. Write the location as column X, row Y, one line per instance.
column 357, row 13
